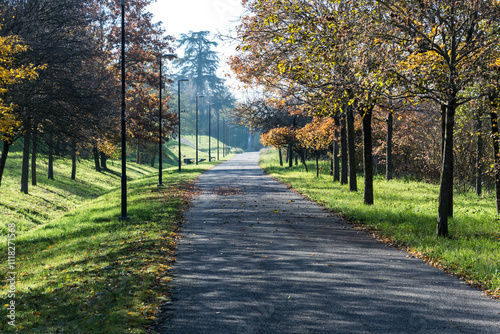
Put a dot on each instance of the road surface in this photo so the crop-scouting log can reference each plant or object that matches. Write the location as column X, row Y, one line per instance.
column 259, row 258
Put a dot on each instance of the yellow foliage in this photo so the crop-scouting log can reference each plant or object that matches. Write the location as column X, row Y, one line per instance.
column 11, row 74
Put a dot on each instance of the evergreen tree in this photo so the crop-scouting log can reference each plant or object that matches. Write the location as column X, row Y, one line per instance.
column 200, row 62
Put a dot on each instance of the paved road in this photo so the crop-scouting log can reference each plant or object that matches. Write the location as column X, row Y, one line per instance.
column 258, row 258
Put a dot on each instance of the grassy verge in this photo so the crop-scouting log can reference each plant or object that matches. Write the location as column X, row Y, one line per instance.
column 405, row 214
column 81, row 269
column 52, row 198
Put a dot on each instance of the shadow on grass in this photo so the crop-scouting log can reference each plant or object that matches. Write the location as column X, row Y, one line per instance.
column 92, row 273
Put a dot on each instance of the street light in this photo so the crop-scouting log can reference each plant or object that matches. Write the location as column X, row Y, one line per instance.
column 179, row 105
column 218, row 140
column 169, row 56
column 209, row 132
column 198, row 96
column 124, row 140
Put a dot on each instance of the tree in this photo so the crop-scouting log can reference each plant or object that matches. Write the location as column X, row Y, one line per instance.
column 443, row 43
column 317, row 136
column 285, row 137
column 145, row 42
column 321, row 52
column 11, row 73
column 58, row 38
column 200, row 62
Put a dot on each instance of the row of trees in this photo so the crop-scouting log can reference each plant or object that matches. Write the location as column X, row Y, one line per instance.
column 64, row 57
column 421, row 60
column 199, row 64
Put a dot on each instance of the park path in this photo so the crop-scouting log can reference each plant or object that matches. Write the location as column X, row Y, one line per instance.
column 259, row 258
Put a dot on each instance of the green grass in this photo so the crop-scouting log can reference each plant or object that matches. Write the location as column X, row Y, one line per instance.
column 203, row 143
column 52, row 198
column 172, row 149
column 405, row 214
column 79, row 268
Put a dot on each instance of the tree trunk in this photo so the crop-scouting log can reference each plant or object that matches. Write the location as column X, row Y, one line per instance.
column 443, row 136
column 26, row 162
column 104, row 161
column 479, row 157
column 317, row 164
column 368, row 156
column 51, row 157
column 388, row 154
column 96, row 159
column 290, row 156
column 281, row 156
column 152, row 162
column 343, row 151
column 353, row 184
column 58, row 148
column 446, row 184
column 3, row 158
column 73, row 159
column 297, row 158
column 496, row 154
column 331, row 149
column 33, row 158
column 336, row 160
column 303, row 159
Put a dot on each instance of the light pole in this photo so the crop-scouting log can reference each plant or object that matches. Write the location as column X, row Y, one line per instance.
column 124, row 132
column 209, row 133
column 179, row 105
column 169, row 56
column 197, row 97
column 218, row 140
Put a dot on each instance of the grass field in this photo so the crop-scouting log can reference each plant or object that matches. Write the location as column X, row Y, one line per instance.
column 405, row 214
column 79, row 269
column 172, row 149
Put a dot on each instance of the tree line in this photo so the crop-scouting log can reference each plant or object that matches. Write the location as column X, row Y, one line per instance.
column 60, row 79
column 413, row 83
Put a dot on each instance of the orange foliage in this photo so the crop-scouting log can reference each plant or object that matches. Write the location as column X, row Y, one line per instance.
column 279, row 137
column 318, row 135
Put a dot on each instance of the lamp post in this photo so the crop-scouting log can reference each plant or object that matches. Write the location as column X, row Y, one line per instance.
column 197, row 97
column 179, row 105
column 169, row 56
column 124, row 132
column 209, row 133
column 218, row 135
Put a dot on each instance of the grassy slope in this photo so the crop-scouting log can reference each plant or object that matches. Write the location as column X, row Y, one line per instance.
column 80, row 269
column 203, row 143
column 51, row 199
column 405, row 214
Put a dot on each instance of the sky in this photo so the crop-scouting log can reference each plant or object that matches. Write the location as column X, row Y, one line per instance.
column 181, row 16
column 217, row 16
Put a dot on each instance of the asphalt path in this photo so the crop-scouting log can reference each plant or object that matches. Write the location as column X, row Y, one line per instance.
column 258, row 258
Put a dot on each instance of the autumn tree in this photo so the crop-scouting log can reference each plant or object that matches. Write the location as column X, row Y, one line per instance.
column 317, row 136
column 322, row 52
column 443, row 44
column 281, row 137
column 10, row 75
column 145, row 42
column 58, row 40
